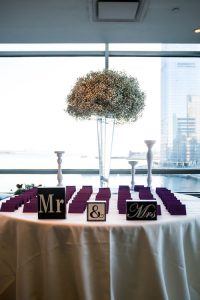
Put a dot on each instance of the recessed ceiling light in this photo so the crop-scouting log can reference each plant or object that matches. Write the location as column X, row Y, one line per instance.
column 197, row 30
column 118, row 10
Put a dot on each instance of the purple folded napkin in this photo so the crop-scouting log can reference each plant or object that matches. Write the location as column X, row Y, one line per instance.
column 122, row 210
column 177, row 210
column 8, row 207
column 75, row 210
column 137, row 188
column 30, row 208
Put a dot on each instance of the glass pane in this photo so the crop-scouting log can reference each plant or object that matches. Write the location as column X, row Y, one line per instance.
column 153, row 47
column 180, row 114
column 129, row 138
column 52, row 47
column 33, row 122
column 172, row 112
column 134, row 47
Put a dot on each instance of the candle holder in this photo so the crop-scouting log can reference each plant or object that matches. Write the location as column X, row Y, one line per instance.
column 149, row 144
column 133, row 163
column 59, row 160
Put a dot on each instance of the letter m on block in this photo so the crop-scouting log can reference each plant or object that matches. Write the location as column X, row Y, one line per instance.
column 46, row 206
column 51, row 203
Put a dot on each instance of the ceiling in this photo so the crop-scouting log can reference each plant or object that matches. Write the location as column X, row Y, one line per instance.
column 75, row 21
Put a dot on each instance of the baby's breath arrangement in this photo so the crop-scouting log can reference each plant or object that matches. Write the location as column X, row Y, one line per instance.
column 106, row 93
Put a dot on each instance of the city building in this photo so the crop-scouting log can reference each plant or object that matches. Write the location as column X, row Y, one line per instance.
column 180, row 111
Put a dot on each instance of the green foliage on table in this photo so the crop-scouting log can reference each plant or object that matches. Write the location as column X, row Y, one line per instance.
column 21, row 189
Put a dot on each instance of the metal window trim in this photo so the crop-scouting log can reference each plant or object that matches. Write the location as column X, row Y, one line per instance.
column 100, row 54
column 156, row 171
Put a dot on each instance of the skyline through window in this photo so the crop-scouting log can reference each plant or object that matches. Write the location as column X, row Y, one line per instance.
column 33, row 96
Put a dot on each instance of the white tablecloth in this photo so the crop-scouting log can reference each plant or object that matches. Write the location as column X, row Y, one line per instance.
column 115, row 260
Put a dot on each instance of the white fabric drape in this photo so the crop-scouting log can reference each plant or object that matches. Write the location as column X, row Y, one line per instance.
column 116, row 260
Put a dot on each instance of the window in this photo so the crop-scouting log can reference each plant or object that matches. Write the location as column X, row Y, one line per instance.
column 32, row 102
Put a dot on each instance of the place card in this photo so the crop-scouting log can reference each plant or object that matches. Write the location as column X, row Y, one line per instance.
column 141, row 210
column 96, row 211
column 51, row 203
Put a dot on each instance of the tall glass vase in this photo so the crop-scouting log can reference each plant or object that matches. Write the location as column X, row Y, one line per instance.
column 105, row 133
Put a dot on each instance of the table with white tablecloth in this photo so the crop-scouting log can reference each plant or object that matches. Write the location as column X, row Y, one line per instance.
column 113, row 260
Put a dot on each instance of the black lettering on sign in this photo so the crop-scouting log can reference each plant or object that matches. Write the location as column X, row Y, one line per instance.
column 96, row 211
column 141, row 210
column 51, row 203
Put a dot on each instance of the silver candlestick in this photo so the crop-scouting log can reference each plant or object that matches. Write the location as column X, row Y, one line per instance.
column 149, row 144
column 133, row 163
column 59, row 174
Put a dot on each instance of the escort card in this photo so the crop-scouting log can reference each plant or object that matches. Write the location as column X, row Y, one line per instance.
column 96, row 211
column 141, row 210
column 51, row 203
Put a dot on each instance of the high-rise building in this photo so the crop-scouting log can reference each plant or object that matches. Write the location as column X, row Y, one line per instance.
column 180, row 111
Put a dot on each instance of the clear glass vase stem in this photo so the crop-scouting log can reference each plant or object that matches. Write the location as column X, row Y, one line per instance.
column 105, row 133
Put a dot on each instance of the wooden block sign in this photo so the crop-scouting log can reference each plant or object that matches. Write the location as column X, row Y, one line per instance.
column 51, row 203
column 96, row 211
column 141, row 210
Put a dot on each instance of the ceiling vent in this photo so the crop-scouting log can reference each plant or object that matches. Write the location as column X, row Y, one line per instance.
column 117, row 11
